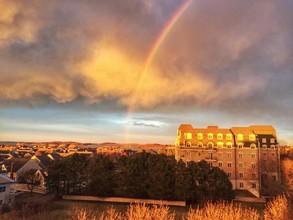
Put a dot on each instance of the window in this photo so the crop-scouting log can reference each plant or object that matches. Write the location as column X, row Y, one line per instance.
column 240, row 164
column 253, row 175
column 241, row 175
column 252, row 137
column 264, row 154
column 264, row 140
column 210, row 145
column 241, row 185
column 220, row 154
column 264, row 146
column 210, row 156
column 229, row 136
column 229, row 175
column 253, row 165
column 189, row 136
column 253, row 185
column 2, row 188
column 199, row 144
column 229, row 164
column 229, row 145
column 240, row 137
column 219, row 144
column 240, row 155
column 272, row 140
column 273, row 154
column 240, row 145
column 272, row 146
column 188, row 144
column 199, row 136
column 1, row 202
column 220, row 136
column 253, row 156
column 210, row 136
column 220, row 164
column 252, row 146
column 229, row 155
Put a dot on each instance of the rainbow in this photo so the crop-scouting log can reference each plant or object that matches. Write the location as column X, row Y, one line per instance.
column 160, row 39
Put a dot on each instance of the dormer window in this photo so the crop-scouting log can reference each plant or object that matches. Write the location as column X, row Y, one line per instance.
column 252, row 137
column 220, row 136
column 240, row 137
column 272, row 140
column 189, row 136
column 210, row 136
column 264, row 140
column 229, row 136
column 199, row 136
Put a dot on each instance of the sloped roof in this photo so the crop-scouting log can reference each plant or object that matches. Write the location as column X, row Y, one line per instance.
column 263, row 129
column 185, row 127
column 45, row 160
column 5, row 179
column 55, row 156
column 242, row 130
column 17, row 163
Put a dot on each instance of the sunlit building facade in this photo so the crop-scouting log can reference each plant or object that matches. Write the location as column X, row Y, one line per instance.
column 244, row 153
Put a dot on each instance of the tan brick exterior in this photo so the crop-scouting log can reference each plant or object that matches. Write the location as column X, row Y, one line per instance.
column 238, row 151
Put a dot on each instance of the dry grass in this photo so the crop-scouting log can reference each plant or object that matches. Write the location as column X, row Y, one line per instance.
column 222, row 211
column 277, row 209
column 134, row 212
column 142, row 211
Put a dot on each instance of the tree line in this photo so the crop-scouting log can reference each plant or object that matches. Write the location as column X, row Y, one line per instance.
column 141, row 175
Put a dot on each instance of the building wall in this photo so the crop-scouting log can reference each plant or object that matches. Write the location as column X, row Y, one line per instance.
column 238, row 151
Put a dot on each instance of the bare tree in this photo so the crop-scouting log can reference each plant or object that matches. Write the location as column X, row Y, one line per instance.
column 32, row 179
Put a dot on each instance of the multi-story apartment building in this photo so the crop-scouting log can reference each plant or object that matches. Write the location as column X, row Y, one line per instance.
column 246, row 154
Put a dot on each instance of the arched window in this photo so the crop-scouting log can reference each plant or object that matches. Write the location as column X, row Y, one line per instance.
column 229, row 145
column 210, row 145
column 240, row 145
column 188, row 144
column 199, row 144
column 220, row 144
column 252, row 146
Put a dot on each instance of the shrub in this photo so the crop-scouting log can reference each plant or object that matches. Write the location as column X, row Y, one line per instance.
column 277, row 209
column 222, row 211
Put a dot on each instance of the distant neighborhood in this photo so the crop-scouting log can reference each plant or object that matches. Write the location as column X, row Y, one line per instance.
column 24, row 166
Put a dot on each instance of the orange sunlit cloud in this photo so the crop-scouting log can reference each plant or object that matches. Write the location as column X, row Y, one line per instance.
column 229, row 56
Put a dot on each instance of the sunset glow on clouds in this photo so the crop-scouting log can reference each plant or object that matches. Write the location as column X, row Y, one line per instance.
column 229, row 62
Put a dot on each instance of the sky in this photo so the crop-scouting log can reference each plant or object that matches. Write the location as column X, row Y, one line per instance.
column 114, row 71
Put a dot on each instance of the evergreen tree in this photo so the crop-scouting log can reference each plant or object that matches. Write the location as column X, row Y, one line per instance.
column 102, row 176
